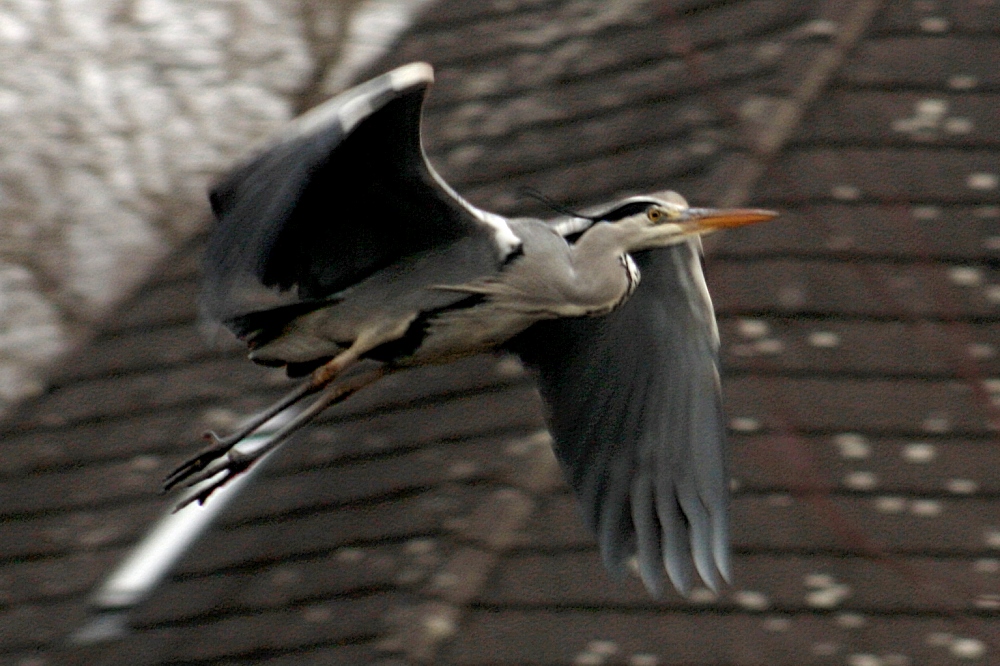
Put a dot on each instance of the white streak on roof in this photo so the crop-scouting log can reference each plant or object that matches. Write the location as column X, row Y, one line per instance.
column 156, row 554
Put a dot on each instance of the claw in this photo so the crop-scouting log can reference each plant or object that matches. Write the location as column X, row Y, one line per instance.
column 219, row 447
column 234, row 463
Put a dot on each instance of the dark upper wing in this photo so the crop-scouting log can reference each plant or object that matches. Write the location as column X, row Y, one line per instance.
column 345, row 192
column 635, row 411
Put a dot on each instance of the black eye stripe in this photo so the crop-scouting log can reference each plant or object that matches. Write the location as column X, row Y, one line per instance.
column 633, row 208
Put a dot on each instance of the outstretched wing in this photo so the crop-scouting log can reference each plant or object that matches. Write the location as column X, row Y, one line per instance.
column 344, row 193
column 635, row 410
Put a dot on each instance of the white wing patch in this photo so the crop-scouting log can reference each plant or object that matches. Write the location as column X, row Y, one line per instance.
column 410, row 75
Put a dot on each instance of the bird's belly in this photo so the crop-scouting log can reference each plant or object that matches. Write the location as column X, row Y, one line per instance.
column 463, row 332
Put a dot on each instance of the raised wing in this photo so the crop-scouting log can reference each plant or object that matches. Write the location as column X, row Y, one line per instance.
column 344, row 193
column 635, row 410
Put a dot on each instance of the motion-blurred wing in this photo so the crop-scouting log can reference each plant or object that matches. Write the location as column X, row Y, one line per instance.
column 345, row 192
column 635, row 411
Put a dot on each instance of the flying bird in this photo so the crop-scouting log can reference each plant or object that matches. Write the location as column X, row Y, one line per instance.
column 341, row 255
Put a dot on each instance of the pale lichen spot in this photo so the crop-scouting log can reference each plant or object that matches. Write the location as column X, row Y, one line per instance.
column 145, row 463
column 962, row 81
column 961, row 486
column 780, row 500
column 991, row 537
column 850, row 620
column 316, row 614
column 828, row 597
column 934, row 24
column 986, row 565
column 350, row 555
column 890, row 504
column 752, row 328
column 825, row 649
column 992, row 293
column 968, row 648
column 769, row 346
column 846, row 192
column 864, row 659
column 439, row 625
column 820, row 28
column 744, row 424
column 982, row 181
column 981, row 350
column 861, row 480
column 702, row 595
column 777, row 624
column 957, row 125
column 936, row 423
column 966, row 276
column 819, row 580
column 824, row 339
column 852, row 445
column 643, row 659
column 990, row 602
column 791, row 296
column 895, row 659
column 752, row 600
column 925, row 212
column 926, row 508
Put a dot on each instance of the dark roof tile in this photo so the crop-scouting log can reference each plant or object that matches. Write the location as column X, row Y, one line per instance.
column 941, row 18
column 903, row 405
column 263, row 633
column 954, row 62
column 76, row 531
column 54, row 577
column 891, row 176
column 777, row 521
column 909, row 231
column 905, row 118
column 901, row 469
column 791, row 582
column 342, row 572
column 321, row 531
column 832, row 287
column 679, row 639
column 822, row 346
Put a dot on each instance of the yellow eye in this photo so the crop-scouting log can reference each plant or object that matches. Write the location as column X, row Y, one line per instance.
column 654, row 214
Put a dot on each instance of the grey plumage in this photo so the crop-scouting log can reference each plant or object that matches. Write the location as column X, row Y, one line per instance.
column 339, row 243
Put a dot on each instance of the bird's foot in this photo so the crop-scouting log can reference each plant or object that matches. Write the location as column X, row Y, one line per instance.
column 219, row 447
column 226, row 466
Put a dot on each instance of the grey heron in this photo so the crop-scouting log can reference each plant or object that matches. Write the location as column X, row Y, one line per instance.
column 341, row 255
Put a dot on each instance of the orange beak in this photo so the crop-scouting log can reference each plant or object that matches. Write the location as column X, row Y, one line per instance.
column 711, row 219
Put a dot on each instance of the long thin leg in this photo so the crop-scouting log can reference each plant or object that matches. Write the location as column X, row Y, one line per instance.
column 236, row 462
column 321, row 377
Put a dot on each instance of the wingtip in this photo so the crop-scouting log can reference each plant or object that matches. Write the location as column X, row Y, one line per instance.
column 411, row 75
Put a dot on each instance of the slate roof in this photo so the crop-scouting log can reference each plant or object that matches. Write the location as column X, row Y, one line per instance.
column 426, row 521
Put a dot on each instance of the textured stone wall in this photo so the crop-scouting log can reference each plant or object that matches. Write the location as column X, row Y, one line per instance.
column 116, row 114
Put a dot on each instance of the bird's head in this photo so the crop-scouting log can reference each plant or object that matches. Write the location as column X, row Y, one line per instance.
column 666, row 218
